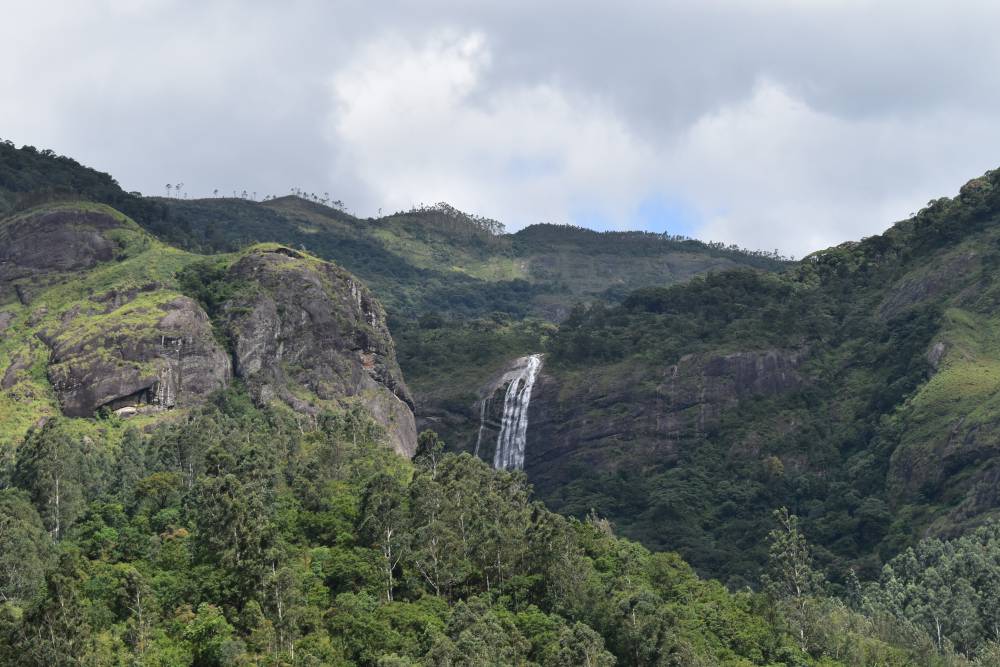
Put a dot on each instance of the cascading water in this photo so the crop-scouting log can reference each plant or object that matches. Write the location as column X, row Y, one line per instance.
column 482, row 424
column 514, row 427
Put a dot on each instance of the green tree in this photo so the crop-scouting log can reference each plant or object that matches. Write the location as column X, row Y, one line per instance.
column 130, row 465
column 478, row 635
column 791, row 572
column 437, row 519
column 384, row 524
column 234, row 505
column 580, row 646
column 56, row 467
column 25, row 549
column 57, row 632
column 211, row 637
column 791, row 578
column 950, row 589
column 430, row 449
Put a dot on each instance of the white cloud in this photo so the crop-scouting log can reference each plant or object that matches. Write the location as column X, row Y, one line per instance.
column 770, row 171
column 416, row 124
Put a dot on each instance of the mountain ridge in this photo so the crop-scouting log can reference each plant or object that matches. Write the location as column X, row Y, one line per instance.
column 883, row 352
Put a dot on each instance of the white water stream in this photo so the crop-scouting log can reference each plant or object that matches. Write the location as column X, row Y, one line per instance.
column 482, row 424
column 514, row 427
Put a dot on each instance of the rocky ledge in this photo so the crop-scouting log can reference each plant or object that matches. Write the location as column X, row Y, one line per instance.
column 38, row 247
column 138, row 358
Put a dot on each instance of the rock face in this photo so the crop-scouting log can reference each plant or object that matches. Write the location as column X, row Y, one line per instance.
column 940, row 277
column 137, row 349
column 20, row 362
column 168, row 359
column 698, row 389
column 52, row 242
column 304, row 327
column 623, row 419
column 94, row 303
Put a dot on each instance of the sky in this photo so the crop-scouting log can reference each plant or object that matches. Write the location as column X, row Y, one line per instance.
column 772, row 124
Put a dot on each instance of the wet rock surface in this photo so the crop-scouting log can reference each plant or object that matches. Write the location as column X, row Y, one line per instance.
column 492, row 404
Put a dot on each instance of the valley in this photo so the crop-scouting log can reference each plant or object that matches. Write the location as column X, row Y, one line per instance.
column 621, row 443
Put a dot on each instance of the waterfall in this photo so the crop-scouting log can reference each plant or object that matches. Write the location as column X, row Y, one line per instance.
column 514, row 427
column 482, row 424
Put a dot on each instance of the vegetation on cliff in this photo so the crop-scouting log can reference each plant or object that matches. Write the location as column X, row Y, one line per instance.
column 866, row 403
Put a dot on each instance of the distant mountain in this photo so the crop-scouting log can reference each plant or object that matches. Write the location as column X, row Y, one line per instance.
column 438, row 259
column 433, row 259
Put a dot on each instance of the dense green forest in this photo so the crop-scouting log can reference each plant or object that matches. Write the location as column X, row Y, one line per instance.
column 232, row 537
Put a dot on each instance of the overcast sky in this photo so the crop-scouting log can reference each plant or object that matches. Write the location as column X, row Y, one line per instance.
column 768, row 123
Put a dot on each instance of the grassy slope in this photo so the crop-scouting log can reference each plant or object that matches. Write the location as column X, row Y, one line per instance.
column 146, row 268
column 423, row 260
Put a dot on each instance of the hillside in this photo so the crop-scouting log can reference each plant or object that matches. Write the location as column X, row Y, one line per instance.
column 432, row 259
column 100, row 319
column 462, row 297
column 438, row 259
column 858, row 389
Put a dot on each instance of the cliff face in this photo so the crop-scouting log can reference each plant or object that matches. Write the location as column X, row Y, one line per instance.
column 637, row 417
column 698, row 389
column 93, row 320
column 104, row 339
column 307, row 328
